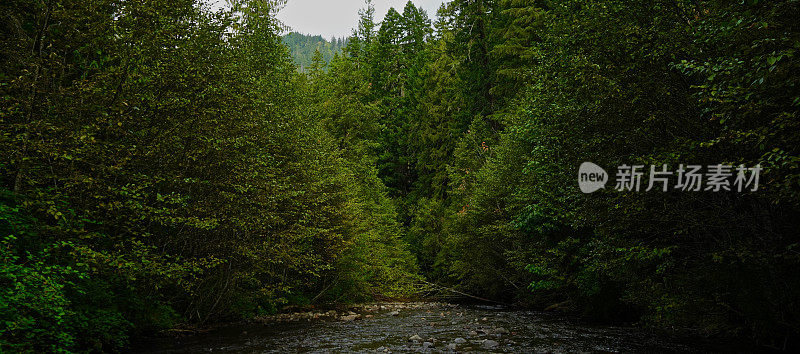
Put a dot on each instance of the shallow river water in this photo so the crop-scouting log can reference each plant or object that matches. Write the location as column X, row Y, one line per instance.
column 429, row 327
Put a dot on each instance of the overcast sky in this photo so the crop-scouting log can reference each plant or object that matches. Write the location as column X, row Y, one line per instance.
column 337, row 17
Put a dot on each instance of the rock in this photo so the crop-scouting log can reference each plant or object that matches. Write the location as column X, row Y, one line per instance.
column 427, row 345
column 484, row 319
column 394, row 313
column 452, row 346
column 500, row 330
column 415, row 338
column 368, row 316
column 350, row 317
column 460, row 340
column 473, row 333
column 490, row 344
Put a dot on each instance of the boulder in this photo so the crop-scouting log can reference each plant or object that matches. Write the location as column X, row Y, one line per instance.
column 350, row 317
column 500, row 330
column 489, row 344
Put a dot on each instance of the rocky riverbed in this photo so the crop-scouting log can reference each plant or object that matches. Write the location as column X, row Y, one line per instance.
column 424, row 327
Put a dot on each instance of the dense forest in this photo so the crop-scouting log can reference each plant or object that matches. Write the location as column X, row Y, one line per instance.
column 304, row 47
column 163, row 163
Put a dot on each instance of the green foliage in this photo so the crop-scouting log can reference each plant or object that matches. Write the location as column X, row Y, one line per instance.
column 377, row 263
column 614, row 83
column 480, row 144
column 159, row 167
column 49, row 301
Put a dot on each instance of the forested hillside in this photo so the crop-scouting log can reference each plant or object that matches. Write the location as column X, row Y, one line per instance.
column 303, row 48
column 163, row 164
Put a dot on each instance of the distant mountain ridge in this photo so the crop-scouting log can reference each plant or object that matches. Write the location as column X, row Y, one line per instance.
column 303, row 46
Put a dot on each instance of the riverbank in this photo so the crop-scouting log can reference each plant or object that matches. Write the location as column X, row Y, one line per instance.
column 427, row 327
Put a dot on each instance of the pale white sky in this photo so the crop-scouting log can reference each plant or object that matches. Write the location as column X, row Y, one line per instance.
column 337, row 17
column 331, row 18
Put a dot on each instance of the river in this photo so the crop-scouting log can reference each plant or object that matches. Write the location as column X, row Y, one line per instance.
column 428, row 327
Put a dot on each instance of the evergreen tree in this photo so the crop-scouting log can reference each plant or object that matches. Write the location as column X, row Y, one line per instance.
column 515, row 52
column 361, row 41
